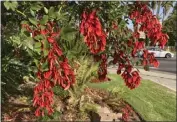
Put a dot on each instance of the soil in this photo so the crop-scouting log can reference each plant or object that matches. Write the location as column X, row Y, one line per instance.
column 17, row 109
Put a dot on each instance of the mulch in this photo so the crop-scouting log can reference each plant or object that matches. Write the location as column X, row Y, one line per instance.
column 13, row 111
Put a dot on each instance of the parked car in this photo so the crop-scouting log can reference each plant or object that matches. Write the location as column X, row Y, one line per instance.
column 160, row 52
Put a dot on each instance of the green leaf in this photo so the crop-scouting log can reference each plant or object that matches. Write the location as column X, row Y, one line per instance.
column 51, row 12
column 7, row 5
column 45, row 66
column 11, row 5
column 46, row 44
column 43, row 27
column 36, row 62
column 16, row 40
column 33, row 21
column 68, row 33
column 24, row 22
column 30, row 52
column 32, row 12
column 14, row 5
column 37, row 50
column 46, row 53
column 37, row 45
column 46, row 10
column 44, row 20
column 36, row 7
column 23, row 30
column 29, row 43
column 122, row 23
column 39, row 37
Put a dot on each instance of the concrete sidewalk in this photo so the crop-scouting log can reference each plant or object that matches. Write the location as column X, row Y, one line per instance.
column 158, row 74
column 166, row 79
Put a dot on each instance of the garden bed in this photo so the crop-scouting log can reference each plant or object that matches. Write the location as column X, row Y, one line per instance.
column 108, row 108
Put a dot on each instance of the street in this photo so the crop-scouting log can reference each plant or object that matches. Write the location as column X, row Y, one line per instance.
column 165, row 74
column 166, row 65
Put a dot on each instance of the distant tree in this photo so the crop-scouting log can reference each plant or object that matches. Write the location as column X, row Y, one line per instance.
column 170, row 27
column 161, row 8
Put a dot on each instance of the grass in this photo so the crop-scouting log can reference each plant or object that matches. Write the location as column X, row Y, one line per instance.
column 152, row 101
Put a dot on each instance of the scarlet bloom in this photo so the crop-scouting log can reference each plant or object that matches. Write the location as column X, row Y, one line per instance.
column 155, row 63
column 44, row 32
column 43, row 97
column 136, row 34
column 130, row 43
column 59, row 72
column 57, row 49
column 50, row 40
column 132, row 79
column 149, row 24
column 140, row 45
column 38, row 112
column 126, row 113
column 47, row 74
column 145, row 62
column 145, row 53
column 35, row 33
column 90, row 27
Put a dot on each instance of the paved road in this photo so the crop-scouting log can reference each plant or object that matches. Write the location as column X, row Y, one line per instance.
column 166, row 65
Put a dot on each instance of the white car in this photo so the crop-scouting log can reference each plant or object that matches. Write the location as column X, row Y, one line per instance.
column 160, row 52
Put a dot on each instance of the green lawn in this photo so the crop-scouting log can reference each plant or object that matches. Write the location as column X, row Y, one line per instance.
column 152, row 101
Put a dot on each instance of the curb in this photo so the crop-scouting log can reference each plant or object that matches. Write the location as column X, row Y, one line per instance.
column 166, row 59
column 158, row 74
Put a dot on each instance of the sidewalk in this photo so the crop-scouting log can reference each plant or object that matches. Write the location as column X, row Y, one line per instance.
column 166, row 79
column 159, row 74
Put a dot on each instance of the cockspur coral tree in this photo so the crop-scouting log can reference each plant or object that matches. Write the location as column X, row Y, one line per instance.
column 54, row 67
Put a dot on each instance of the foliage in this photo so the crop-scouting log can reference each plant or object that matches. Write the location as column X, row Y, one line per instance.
column 169, row 26
column 85, row 71
column 14, row 62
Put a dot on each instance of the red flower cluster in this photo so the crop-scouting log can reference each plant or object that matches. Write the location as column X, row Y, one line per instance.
column 153, row 29
column 126, row 113
column 148, row 58
column 120, row 57
column 131, row 78
column 149, row 24
column 138, row 45
column 43, row 97
column 59, row 71
column 94, row 36
column 102, row 72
